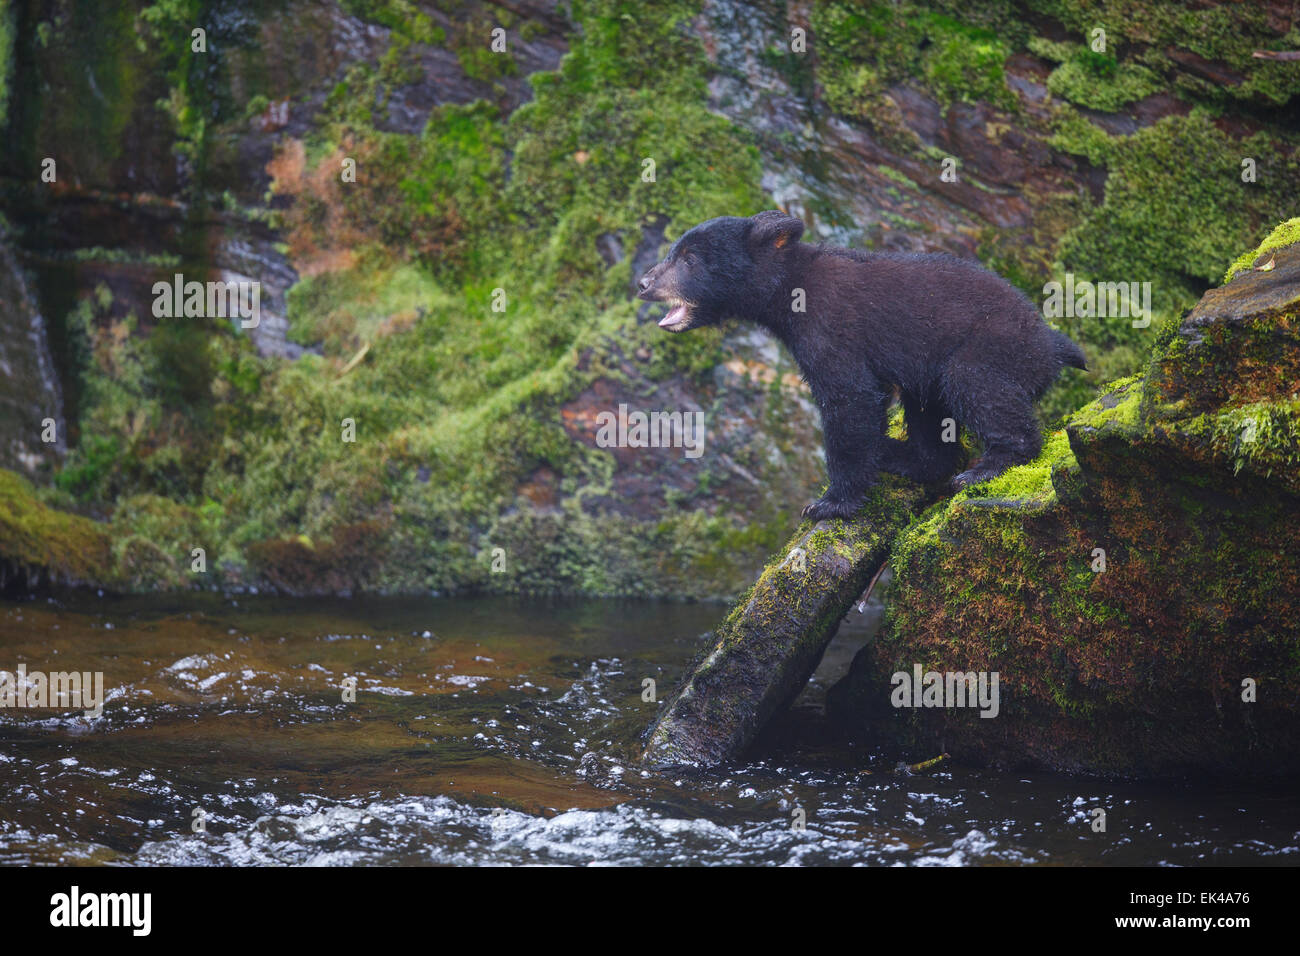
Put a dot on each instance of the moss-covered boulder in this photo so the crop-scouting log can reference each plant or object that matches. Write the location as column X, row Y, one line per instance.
column 40, row 545
column 1137, row 588
column 767, row 648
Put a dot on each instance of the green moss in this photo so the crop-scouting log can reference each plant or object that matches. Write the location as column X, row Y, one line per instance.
column 123, row 256
column 1095, row 80
column 1136, row 234
column 451, row 415
column 1074, row 133
column 38, row 542
column 1285, row 234
column 401, row 16
column 1119, row 408
column 1029, row 481
column 154, row 539
column 965, row 63
column 863, row 48
column 1222, row 33
column 1263, row 437
column 474, row 52
column 7, row 18
column 166, row 27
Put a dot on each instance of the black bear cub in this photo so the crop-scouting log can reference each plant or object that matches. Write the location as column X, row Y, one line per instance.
column 955, row 340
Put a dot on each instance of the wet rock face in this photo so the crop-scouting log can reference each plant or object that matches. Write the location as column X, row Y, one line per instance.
column 1137, row 588
column 747, row 448
column 855, row 183
column 127, row 198
column 31, row 405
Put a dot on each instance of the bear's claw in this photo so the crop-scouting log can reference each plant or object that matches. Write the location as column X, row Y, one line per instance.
column 822, row 508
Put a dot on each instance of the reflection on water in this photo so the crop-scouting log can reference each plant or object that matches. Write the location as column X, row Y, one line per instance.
column 499, row 731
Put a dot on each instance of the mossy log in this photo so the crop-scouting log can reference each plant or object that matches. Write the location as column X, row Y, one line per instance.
column 770, row 643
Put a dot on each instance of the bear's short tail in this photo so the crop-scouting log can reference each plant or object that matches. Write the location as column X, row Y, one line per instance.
column 1068, row 352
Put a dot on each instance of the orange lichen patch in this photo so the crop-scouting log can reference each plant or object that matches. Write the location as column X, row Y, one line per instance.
column 322, row 236
column 765, row 374
column 326, row 260
column 583, row 419
column 541, row 488
column 287, row 167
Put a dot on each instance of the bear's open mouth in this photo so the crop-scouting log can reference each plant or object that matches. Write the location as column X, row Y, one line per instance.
column 678, row 314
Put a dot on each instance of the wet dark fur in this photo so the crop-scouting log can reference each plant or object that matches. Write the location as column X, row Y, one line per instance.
column 954, row 339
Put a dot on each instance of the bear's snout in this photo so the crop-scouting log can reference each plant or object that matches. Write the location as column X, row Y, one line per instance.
column 645, row 288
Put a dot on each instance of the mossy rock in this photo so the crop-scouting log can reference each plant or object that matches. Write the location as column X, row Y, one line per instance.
column 41, row 545
column 1137, row 588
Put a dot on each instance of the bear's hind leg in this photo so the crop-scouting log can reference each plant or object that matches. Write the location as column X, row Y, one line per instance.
column 1001, row 414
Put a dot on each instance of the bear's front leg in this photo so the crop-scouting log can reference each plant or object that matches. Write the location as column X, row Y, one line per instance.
column 853, row 426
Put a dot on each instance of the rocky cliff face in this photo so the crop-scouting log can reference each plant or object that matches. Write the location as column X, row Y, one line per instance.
column 1137, row 587
column 32, row 439
column 523, row 172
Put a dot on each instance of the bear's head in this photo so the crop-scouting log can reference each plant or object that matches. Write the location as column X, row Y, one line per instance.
column 722, row 268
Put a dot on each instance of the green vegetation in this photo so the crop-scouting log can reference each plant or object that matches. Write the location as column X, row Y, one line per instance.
column 7, row 16
column 863, row 48
column 958, row 52
column 1263, row 437
column 432, row 262
column 1097, row 81
column 464, row 300
column 38, row 542
column 1030, row 481
column 1149, row 546
column 1222, row 33
column 1138, row 232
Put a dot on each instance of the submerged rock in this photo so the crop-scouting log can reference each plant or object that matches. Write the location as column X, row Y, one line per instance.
column 1137, row 588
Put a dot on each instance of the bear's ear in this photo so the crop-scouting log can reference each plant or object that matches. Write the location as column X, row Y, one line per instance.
column 773, row 228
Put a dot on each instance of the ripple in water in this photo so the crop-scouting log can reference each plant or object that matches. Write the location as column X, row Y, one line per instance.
column 493, row 732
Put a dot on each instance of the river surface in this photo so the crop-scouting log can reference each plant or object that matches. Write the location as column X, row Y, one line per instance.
column 499, row 731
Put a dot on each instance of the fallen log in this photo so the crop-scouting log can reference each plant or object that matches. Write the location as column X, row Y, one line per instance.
column 771, row 642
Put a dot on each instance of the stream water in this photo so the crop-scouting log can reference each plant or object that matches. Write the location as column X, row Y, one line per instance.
column 495, row 731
